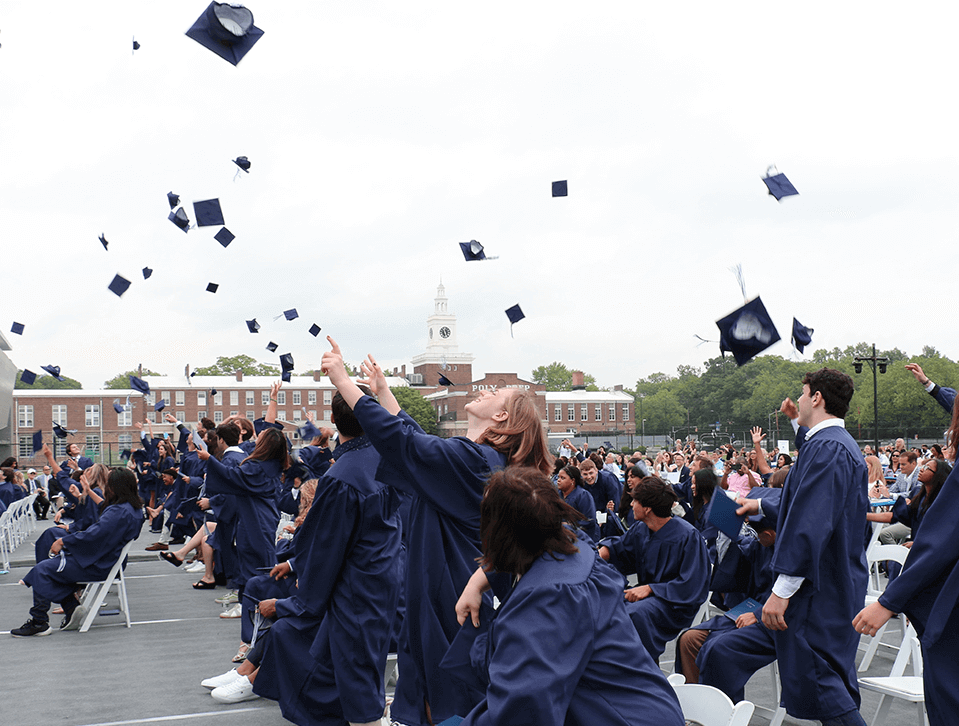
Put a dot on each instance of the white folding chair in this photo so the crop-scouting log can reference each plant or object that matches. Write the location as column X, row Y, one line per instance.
column 777, row 714
column 709, row 706
column 876, row 554
column 6, row 541
column 898, row 685
column 95, row 592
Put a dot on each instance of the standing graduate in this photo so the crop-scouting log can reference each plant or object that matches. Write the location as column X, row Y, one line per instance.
column 668, row 557
column 447, row 478
column 560, row 648
column 85, row 556
column 820, row 560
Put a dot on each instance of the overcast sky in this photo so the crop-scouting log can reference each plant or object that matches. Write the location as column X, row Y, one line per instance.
column 381, row 134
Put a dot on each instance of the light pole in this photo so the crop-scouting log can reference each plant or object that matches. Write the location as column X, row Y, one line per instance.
column 641, row 397
column 643, row 440
column 880, row 363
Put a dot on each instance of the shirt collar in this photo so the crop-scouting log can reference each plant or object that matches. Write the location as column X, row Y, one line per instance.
column 829, row 422
column 234, row 448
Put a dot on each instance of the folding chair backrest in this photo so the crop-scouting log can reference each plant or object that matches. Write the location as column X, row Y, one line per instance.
column 711, row 707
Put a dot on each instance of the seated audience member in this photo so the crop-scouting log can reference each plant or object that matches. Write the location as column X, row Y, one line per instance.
column 570, row 484
column 906, row 476
column 669, row 558
column 9, row 491
column 551, row 584
column 757, row 458
column 85, row 556
column 41, row 505
column 876, row 478
column 738, row 477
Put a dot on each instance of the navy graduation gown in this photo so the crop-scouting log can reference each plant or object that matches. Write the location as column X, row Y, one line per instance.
column 561, row 650
column 675, row 564
column 580, row 500
column 316, row 459
column 820, row 538
column 253, row 485
column 447, row 478
column 927, row 591
column 10, row 493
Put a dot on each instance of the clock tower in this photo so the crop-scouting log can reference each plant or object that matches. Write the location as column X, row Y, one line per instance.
column 442, row 349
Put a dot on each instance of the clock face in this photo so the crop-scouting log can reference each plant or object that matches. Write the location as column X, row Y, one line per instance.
column 445, row 332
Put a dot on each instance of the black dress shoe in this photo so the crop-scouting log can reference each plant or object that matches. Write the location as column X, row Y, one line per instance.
column 178, row 540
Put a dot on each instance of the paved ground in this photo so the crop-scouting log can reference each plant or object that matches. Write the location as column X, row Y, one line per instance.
column 151, row 672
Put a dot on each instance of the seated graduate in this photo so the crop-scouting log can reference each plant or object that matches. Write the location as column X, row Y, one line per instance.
column 742, row 571
column 570, row 483
column 634, row 475
column 9, row 492
column 669, row 558
column 702, row 485
column 560, row 649
column 85, row 556
column 447, row 478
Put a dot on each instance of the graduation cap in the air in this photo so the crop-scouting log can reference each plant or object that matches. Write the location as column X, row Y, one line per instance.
column 747, row 332
column 472, row 251
column 208, row 213
column 125, row 454
column 173, row 199
column 28, row 377
column 180, row 219
column 290, row 314
column 37, row 441
column 212, row 287
column 261, row 424
column 119, row 285
column 286, row 363
column 103, row 241
column 559, row 188
column 117, row 406
column 253, row 326
column 60, row 432
column 224, row 237
column 54, row 371
column 271, row 346
column 444, row 381
column 779, row 186
column 136, row 46
column 213, row 392
column 308, row 431
column 515, row 314
column 17, row 328
column 802, row 336
column 141, row 385
column 243, row 163
column 146, row 273
column 227, row 30
column 315, row 330
column 159, row 405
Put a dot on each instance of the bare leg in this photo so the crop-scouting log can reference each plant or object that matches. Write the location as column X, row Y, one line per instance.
column 194, row 542
column 207, row 551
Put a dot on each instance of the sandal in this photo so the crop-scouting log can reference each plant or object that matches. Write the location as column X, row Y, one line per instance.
column 204, row 585
column 241, row 653
column 171, row 558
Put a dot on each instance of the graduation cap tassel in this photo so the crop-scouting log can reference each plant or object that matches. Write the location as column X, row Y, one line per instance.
column 702, row 340
column 737, row 271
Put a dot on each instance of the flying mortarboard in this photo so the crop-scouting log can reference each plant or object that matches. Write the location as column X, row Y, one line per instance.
column 747, row 332
column 472, row 251
column 53, row 371
column 515, row 314
column 243, row 163
column 271, row 346
column 180, row 219
column 291, row 314
column 802, row 336
column 17, row 328
column 213, row 392
column 159, row 405
column 125, row 454
column 224, row 237
column 308, row 431
column 60, row 432
column 778, row 185
column 173, row 199
column 261, row 424
column 119, row 285
column 559, row 188
column 227, row 30
column 37, row 441
column 103, row 241
column 141, row 385
column 444, row 381
column 136, row 46
column 315, row 330
column 253, row 326
column 208, row 213
column 117, row 406
column 28, row 377
column 146, row 273
column 286, row 363
column 212, row 287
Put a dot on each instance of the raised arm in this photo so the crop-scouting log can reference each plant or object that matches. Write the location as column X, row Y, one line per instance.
column 761, row 462
column 271, row 409
column 54, row 466
column 377, row 383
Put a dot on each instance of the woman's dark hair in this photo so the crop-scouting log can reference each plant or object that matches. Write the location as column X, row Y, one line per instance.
column 270, row 446
column 937, row 449
column 626, row 500
column 706, row 483
column 522, row 517
column 921, row 502
column 208, row 424
column 574, row 473
column 656, row 494
column 558, row 465
column 10, row 462
column 343, row 417
column 787, row 459
column 122, row 489
column 7, row 473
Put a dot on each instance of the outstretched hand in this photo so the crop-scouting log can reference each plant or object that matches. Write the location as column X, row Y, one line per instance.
column 373, row 376
column 789, row 408
column 332, row 363
column 757, row 434
column 916, row 371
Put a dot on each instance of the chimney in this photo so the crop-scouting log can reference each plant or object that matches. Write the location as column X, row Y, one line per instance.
column 618, row 388
column 239, row 376
column 403, row 370
column 317, row 374
column 578, row 384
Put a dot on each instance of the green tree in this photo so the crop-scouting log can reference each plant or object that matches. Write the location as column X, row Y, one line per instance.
column 48, row 382
column 417, row 407
column 557, row 377
column 122, row 380
column 228, row 365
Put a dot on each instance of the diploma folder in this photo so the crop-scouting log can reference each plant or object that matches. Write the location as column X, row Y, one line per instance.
column 746, row 606
column 722, row 514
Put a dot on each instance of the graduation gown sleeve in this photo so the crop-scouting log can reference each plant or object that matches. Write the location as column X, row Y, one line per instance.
column 99, row 545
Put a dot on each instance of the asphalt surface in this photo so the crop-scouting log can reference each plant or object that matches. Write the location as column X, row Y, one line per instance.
column 151, row 672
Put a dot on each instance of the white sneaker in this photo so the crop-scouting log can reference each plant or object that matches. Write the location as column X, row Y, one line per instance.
column 196, row 567
column 223, row 680
column 239, row 690
column 228, row 599
column 234, row 611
